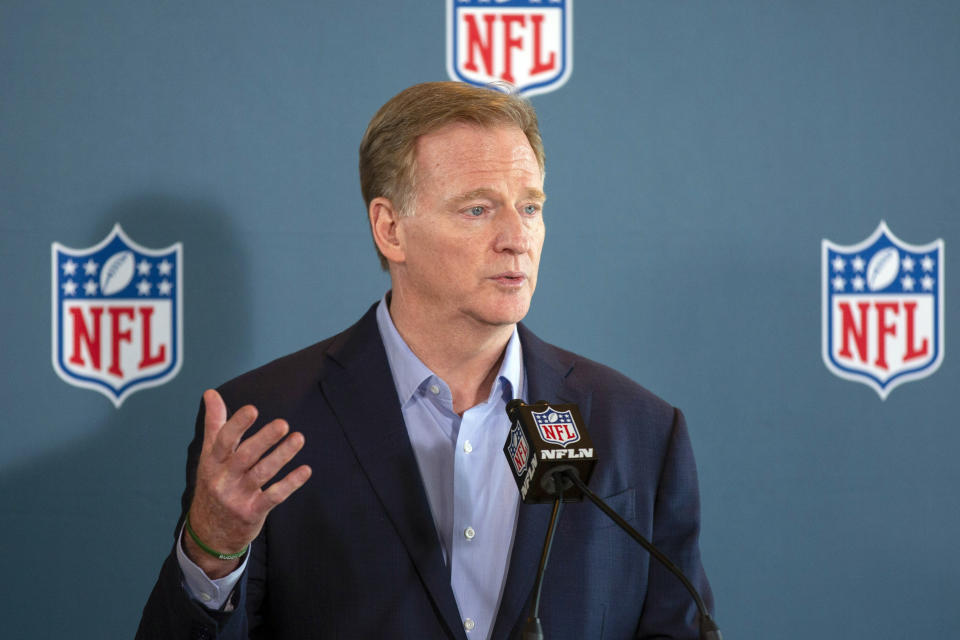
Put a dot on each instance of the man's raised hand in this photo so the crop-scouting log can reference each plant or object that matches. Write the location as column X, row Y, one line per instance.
column 229, row 505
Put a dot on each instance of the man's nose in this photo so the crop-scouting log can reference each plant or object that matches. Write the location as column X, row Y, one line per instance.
column 513, row 233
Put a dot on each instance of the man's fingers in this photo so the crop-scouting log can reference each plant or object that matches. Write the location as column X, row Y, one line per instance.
column 280, row 491
column 228, row 437
column 215, row 414
column 264, row 470
column 252, row 449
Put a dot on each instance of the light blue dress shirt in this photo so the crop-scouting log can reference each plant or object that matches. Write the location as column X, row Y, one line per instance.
column 472, row 495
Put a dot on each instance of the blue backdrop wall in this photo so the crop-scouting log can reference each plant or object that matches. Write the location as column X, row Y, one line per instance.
column 697, row 156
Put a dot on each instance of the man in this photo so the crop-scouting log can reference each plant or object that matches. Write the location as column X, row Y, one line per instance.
column 413, row 527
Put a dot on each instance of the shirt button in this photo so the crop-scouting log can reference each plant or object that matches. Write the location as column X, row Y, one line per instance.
column 205, row 597
column 469, row 624
column 469, row 533
column 467, row 447
column 434, row 389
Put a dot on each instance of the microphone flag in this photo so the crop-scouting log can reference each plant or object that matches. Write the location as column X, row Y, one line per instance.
column 546, row 438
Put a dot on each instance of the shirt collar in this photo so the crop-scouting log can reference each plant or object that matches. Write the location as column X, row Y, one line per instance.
column 410, row 373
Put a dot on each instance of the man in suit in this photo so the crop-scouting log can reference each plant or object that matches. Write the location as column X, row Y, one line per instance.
column 413, row 528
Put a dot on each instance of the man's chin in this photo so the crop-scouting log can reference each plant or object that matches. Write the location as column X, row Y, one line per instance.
column 504, row 312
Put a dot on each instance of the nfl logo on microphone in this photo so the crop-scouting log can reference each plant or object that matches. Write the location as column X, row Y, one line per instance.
column 557, row 427
column 517, row 449
column 882, row 310
column 527, row 43
column 117, row 315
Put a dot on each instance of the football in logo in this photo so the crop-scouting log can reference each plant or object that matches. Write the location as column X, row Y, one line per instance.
column 883, row 268
column 882, row 310
column 117, row 315
column 526, row 43
column 117, row 273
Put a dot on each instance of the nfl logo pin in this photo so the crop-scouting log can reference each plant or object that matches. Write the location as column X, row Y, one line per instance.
column 882, row 310
column 117, row 315
column 527, row 43
column 557, row 427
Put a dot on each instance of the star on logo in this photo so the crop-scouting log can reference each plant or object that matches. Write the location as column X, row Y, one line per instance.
column 143, row 288
column 927, row 263
column 907, row 283
column 858, row 282
column 90, row 288
column 838, row 264
column 143, row 268
column 858, row 264
column 927, row 283
column 907, row 263
column 838, row 283
column 165, row 287
column 164, row 267
column 70, row 287
column 69, row 268
column 90, row 267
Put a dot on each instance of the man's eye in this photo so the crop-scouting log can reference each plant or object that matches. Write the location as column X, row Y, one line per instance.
column 475, row 211
column 531, row 209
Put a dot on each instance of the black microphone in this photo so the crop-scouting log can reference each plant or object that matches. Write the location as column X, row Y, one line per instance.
column 552, row 457
column 536, row 449
column 546, row 439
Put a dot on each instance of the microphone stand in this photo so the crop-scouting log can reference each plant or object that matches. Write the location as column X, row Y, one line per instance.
column 708, row 628
column 533, row 629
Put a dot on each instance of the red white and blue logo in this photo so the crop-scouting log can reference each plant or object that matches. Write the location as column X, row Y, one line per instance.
column 117, row 315
column 883, row 310
column 518, row 449
column 557, row 427
column 527, row 43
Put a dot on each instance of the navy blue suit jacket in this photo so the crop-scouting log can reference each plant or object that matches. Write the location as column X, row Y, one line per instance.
column 355, row 554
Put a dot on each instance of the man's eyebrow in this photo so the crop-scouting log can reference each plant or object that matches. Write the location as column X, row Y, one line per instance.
column 491, row 194
column 536, row 194
column 475, row 194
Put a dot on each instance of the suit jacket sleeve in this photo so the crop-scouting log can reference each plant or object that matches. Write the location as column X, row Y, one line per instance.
column 170, row 612
column 675, row 532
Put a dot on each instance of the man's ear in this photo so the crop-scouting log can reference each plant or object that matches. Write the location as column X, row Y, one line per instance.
column 384, row 224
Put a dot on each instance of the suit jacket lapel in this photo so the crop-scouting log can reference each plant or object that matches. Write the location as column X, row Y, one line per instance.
column 359, row 388
column 547, row 371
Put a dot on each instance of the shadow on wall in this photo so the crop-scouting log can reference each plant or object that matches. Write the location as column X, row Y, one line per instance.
column 85, row 529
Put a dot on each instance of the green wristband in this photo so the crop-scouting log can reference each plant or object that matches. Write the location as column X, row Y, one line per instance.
column 215, row 554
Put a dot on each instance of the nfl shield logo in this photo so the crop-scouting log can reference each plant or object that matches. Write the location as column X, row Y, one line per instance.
column 518, row 449
column 527, row 43
column 557, row 427
column 883, row 310
column 117, row 315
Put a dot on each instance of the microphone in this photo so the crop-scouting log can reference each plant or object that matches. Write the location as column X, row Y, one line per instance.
column 546, row 431
column 555, row 436
column 548, row 469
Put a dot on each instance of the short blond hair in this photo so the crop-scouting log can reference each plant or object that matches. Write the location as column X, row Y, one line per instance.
column 388, row 148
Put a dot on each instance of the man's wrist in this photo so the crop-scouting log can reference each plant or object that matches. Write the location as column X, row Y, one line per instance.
column 214, row 567
column 213, row 593
column 219, row 555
